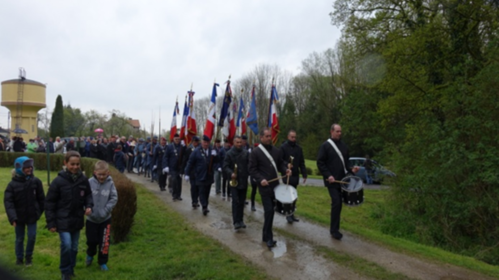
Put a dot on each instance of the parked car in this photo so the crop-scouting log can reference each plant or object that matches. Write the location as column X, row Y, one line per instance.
column 379, row 172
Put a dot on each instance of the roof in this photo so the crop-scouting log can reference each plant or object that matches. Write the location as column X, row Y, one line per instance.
column 26, row 81
column 134, row 123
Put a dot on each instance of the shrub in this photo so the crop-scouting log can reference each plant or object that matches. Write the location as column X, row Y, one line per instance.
column 309, row 171
column 123, row 213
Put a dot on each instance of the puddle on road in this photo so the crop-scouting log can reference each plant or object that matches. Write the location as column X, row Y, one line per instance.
column 280, row 249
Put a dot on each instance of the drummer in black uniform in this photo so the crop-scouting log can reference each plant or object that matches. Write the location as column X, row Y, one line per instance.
column 293, row 154
column 265, row 165
column 332, row 162
column 237, row 159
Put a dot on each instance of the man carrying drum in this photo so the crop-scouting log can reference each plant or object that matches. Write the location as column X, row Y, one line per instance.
column 332, row 162
column 293, row 154
column 265, row 165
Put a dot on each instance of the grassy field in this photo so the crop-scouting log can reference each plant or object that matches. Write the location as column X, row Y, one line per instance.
column 161, row 246
column 313, row 165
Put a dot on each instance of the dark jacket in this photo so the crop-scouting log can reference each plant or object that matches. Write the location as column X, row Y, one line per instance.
column 185, row 159
column 288, row 149
column 18, row 146
column 159, row 152
column 173, row 158
column 24, row 200
column 93, row 151
column 66, row 202
column 50, row 146
column 120, row 160
column 329, row 162
column 261, row 168
column 241, row 158
column 111, row 146
column 202, row 165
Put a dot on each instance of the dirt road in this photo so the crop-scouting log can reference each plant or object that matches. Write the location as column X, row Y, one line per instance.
column 296, row 256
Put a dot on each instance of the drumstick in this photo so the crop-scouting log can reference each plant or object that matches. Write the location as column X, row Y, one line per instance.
column 275, row 179
column 341, row 182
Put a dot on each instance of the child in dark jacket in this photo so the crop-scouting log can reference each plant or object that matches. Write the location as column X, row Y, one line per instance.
column 98, row 227
column 24, row 203
column 120, row 159
column 68, row 200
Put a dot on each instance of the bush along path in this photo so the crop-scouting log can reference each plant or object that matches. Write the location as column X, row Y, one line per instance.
column 304, row 250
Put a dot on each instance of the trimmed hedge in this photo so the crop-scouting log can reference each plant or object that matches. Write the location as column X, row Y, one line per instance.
column 124, row 212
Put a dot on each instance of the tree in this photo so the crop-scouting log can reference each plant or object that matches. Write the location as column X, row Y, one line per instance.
column 57, row 120
column 430, row 65
column 74, row 121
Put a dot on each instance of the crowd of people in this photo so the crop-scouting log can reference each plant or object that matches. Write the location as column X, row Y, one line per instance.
column 232, row 168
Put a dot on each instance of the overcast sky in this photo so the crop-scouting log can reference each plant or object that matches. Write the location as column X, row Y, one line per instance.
column 135, row 56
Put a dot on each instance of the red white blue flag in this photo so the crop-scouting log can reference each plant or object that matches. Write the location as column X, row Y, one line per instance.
column 191, row 120
column 273, row 123
column 173, row 128
column 209, row 128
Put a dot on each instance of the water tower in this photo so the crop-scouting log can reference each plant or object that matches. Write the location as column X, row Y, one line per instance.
column 24, row 98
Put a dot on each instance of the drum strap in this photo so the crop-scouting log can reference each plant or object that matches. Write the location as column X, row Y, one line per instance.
column 269, row 157
column 339, row 153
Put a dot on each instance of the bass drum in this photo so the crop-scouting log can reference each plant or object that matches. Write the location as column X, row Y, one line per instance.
column 286, row 196
column 352, row 191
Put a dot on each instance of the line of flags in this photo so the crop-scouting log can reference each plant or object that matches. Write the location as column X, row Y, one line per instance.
column 230, row 120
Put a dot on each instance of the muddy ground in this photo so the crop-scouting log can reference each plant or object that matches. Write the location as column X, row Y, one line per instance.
column 296, row 256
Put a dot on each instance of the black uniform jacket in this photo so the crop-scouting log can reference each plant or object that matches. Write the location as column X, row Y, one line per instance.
column 241, row 158
column 66, row 202
column 329, row 162
column 292, row 149
column 261, row 168
column 24, row 200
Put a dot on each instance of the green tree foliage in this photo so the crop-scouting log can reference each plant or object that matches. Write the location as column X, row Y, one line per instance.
column 74, row 121
column 57, row 120
column 432, row 89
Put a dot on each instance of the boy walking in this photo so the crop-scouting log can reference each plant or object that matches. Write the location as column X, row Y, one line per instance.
column 24, row 204
column 98, row 227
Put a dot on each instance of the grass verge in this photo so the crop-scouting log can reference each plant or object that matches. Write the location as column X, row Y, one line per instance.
column 161, row 246
column 314, row 205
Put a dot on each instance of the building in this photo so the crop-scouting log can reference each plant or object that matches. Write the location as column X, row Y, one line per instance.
column 24, row 98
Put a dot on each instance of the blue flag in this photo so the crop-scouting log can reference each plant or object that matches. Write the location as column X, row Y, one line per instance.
column 226, row 104
column 240, row 115
column 251, row 119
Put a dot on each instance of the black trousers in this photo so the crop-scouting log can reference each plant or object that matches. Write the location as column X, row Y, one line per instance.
column 194, row 191
column 204, row 194
column 268, row 201
column 336, row 204
column 161, row 178
column 254, row 187
column 225, row 185
column 98, row 236
column 176, row 185
column 238, row 199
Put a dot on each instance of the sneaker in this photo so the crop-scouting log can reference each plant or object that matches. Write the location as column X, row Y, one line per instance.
column 89, row 260
column 19, row 262
column 29, row 261
column 243, row 224
column 237, row 226
column 104, row 267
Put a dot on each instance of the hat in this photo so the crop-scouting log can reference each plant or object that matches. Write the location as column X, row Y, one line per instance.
column 22, row 162
column 163, row 139
column 176, row 135
column 244, row 137
column 206, row 138
column 148, row 138
column 155, row 137
column 195, row 138
column 141, row 139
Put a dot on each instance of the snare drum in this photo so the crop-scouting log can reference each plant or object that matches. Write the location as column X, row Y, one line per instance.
column 352, row 192
column 286, row 196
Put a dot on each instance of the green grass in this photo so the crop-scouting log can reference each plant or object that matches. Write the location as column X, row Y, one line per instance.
column 161, row 246
column 314, row 204
column 313, row 165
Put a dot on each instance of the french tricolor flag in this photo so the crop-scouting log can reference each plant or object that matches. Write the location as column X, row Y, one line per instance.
column 209, row 128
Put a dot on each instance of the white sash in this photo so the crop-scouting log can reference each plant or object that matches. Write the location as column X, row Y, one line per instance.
column 269, row 157
column 339, row 153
